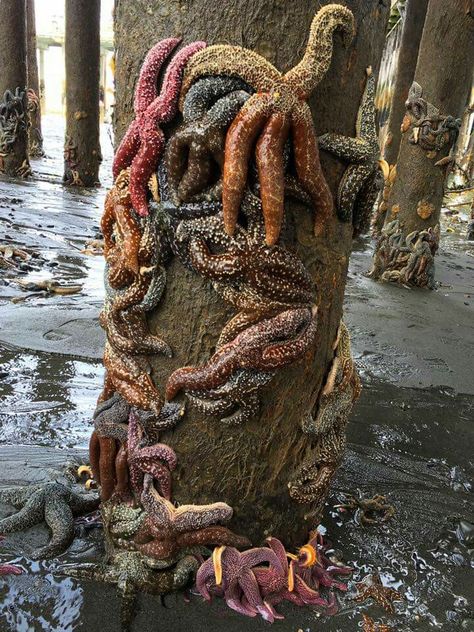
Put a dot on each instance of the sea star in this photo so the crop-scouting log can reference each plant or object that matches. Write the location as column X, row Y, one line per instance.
column 10, row 569
column 312, row 479
column 54, row 503
column 289, row 585
column 272, row 271
column 340, row 391
column 133, row 573
column 256, row 279
column 430, row 129
column 150, row 459
column 121, row 230
column 130, row 377
column 278, row 107
column 144, row 142
column 199, row 143
column 124, row 314
column 197, row 208
column 205, row 92
column 316, row 569
column 267, row 345
column 111, row 418
column 166, row 530
column 374, row 589
column 362, row 180
column 372, row 626
column 122, row 520
column 368, row 511
column 107, row 452
column 237, row 399
column 229, row 573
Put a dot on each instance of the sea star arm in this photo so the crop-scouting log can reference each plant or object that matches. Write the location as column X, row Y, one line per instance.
column 146, row 90
column 236, row 600
column 194, row 517
column 129, row 146
column 212, row 374
column 306, row 75
column 215, row 535
column 270, row 163
column 285, row 353
column 216, row 267
column 165, row 106
column 30, row 514
column 131, row 381
column 205, row 576
column 58, row 516
column 366, row 126
column 308, row 166
column 350, row 149
column 350, row 186
column 261, row 555
column 234, row 61
column 251, row 590
column 197, row 174
column 205, row 92
column 238, row 148
column 279, row 550
column 363, row 211
column 144, row 165
column 236, row 325
column 108, row 452
column 10, row 569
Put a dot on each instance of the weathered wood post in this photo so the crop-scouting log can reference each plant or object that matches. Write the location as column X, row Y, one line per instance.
column 405, row 251
column 13, row 80
column 35, row 137
column 250, row 466
column 82, row 155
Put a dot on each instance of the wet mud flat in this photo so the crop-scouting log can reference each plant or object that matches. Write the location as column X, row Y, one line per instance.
column 410, row 436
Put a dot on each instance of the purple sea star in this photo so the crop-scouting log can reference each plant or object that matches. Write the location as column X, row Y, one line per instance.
column 158, row 460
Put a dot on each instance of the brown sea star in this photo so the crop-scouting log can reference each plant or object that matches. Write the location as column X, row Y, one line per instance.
column 340, row 391
column 368, row 511
column 267, row 345
column 372, row 588
column 373, row 626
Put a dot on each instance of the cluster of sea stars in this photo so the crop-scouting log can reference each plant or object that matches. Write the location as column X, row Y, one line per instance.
column 276, row 110
column 254, row 581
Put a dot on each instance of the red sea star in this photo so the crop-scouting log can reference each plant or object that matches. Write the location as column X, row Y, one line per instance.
column 143, row 144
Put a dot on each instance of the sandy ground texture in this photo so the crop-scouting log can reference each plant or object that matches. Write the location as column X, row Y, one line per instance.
column 410, row 436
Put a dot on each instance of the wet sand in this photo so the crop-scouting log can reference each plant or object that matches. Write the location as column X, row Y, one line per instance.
column 410, row 436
